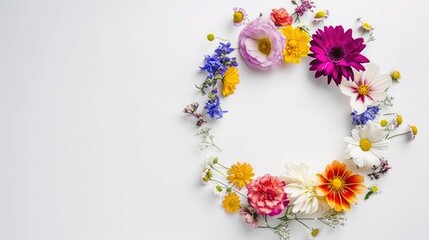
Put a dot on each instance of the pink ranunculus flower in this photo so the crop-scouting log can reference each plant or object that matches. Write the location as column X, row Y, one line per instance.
column 267, row 195
column 281, row 17
column 261, row 44
column 249, row 215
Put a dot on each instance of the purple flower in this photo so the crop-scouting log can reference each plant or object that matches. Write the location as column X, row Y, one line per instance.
column 212, row 64
column 224, row 49
column 213, row 108
column 305, row 6
column 261, row 44
column 369, row 114
column 336, row 52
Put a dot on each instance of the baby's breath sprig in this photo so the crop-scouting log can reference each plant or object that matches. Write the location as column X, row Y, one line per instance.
column 207, row 139
column 388, row 101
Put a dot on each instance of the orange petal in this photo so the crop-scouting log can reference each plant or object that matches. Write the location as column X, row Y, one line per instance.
column 324, row 189
column 349, row 195
column 333, row 200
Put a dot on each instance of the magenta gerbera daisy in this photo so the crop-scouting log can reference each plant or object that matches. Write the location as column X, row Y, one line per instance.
column 336, row 52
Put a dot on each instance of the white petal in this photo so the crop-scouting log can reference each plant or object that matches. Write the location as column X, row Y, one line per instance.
column 371, row 72
column 381, row 83
column 358, row 105
column 347, row 87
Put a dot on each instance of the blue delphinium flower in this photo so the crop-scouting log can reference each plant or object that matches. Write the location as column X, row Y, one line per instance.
column 224, row 49
column 368, row 115
column 212, row 64
column 213, row 108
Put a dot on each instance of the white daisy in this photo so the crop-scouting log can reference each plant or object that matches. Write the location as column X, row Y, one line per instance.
column 301, row 189
column 367, row 88
column 367, row 145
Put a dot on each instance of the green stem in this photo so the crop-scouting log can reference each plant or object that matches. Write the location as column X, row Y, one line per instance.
column 214, row 145
column 228, row 187
column 220, row 164
column 222, row 39
column 399, row 134
column 221, row 173
column 320, row 220
column 305, row 225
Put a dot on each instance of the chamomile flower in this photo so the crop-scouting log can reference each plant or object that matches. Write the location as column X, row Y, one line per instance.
column 367, row 145
column 239, row 16
column 395, row 75
column 313, row 233
column 320, row 16
column 218, row 190
column 206, row 175
column 367, row 27
column 398, row 120
column 413, row 131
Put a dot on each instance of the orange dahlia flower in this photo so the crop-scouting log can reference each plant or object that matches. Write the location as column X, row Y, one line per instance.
column 340, row 186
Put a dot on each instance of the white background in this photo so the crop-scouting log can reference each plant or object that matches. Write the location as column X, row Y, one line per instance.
column 93, row 144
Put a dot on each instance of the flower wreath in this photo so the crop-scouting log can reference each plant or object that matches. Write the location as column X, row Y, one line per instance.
column 272, row 202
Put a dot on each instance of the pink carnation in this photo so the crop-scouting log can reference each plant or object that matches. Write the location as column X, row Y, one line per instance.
column 261, row 44
column 267, row 196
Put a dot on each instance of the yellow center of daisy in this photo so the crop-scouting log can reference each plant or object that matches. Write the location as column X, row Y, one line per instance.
column 414, row 130
column 320, row 14
column 367, row 26
column 374, row 189
column 337, row 184
column 238, row 17
column 383, row 122
column 399, row 120
column 395, row 75
column 365, row 144
column 363, row 89
column 264, row 45
column 314, row 232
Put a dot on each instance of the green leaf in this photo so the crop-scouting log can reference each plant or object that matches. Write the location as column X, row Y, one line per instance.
column 368, row 194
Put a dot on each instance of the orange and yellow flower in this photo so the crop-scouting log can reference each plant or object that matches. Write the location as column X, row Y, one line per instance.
column 240, row 174
column 231, row 203
column 340, row 186
column 230, row 81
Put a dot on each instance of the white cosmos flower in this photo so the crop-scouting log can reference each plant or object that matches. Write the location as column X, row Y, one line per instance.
column 367, row 88
column 300, row 188
column 367, row 145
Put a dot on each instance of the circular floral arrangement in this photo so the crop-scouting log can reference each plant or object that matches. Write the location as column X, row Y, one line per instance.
column 273, row 202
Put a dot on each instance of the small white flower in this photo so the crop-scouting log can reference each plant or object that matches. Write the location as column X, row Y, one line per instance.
column 301, row 189
column 206, row 175
column 211, row 160
column 367, row 145
column 218, row 190
column 367, row 88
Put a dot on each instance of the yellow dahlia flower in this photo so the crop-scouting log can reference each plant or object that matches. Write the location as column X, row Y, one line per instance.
column 297, row 44
column 240, row 174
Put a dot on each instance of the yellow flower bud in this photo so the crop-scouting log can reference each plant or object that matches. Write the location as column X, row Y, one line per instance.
column 399, row 119
column 210, row 37
column 383, row 122
column 395, row 75
column 414, row 130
